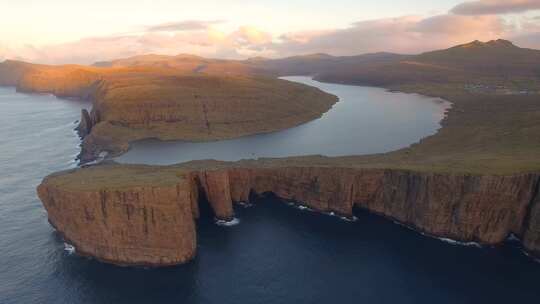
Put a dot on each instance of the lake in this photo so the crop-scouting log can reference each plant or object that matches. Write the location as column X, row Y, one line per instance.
column 366, row 120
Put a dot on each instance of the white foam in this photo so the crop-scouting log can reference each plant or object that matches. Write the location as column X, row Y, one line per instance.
column 70, row 249
column 331, row 213
column 302, row 207
column 443, row 239
column 102, row 155
column 458, row 243
column 235, row 221
column 245, row 204
column 349, row 219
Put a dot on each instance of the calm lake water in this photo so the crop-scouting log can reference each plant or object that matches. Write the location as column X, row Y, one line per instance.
column 276, row 254
column 366, row 120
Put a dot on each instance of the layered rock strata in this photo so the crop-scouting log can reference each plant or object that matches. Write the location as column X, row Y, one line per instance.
column 121, row 222
column 133, row 224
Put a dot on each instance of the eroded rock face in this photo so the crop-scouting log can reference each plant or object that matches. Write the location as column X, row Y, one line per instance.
column 485, row 209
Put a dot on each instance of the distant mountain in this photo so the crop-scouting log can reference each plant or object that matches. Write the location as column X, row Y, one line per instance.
column 183, row 63
column 497, row 59
column 316, row 64
column 497, row 56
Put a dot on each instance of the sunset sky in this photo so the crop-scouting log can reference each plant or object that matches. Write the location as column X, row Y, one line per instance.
column 64, row 31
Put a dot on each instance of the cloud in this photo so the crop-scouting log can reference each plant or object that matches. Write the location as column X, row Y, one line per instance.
column 189, row 25
column 494, row 7
column 408, row 34
column 248, row 35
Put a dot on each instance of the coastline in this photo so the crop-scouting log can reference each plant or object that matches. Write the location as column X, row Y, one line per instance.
column 403, row 160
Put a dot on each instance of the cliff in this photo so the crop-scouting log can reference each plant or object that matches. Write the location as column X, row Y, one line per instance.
column 126, row 215
column 143, row 222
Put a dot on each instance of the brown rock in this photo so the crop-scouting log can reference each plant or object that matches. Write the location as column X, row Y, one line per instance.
column 130, row 225
column 216, row 187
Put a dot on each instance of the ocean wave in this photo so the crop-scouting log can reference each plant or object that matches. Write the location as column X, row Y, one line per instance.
column 70, row 249
column 235, row 221
column 245, row 204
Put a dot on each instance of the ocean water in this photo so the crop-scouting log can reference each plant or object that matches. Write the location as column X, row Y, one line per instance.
column 276, row 253
column 366, row 120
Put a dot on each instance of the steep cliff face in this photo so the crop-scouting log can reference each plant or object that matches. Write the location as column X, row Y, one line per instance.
column 467, row 208
column 531, row 235
column 155, row 223
column 134, row 225
column 485, row 209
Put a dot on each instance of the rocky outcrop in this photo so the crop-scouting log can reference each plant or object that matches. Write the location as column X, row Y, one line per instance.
column 85, row 124
column 133, row 225
column 468, row 208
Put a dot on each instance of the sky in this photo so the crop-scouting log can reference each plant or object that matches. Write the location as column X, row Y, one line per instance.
column 76, row 31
